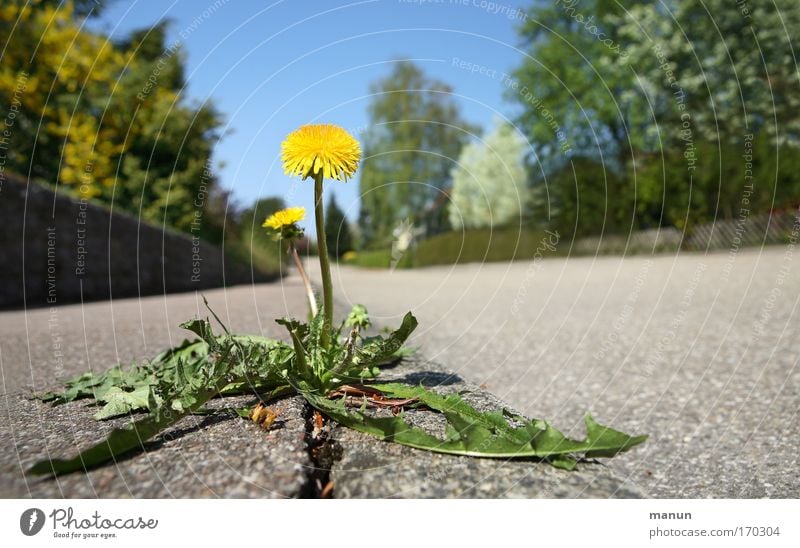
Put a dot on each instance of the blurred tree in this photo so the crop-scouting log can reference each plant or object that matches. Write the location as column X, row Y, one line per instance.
column 489, row 181
column 734, row 68
column 416, row 133
column 105, row 121
column 582, row 110
column 261, row 209
column 662, row 100
column 81, row 8
column 223, row 220
column 578, row 201
column 575, row 86
column 247, row 239
column 725, row 86
column 337, row 229
column 54, row 77
column 247, row 223
column 166, row 172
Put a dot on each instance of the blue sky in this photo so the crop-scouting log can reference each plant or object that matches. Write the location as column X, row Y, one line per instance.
column 272, row 66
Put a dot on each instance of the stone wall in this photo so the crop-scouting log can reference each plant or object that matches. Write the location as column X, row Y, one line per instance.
column 59, row 249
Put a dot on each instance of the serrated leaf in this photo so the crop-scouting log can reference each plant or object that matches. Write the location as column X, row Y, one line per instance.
column 475, row 433
column 120, row 402
column 176, row 383
column 124, row 440
column 607, row 442
column 120, row 442
column 201, row 328
column 379, row 350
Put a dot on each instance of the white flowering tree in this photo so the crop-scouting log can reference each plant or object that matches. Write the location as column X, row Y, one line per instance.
column 489, row 181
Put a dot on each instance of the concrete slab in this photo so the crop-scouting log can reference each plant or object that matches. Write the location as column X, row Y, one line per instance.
column 370, row 468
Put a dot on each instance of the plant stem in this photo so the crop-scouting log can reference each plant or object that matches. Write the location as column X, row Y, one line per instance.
column 312, row 300
column 324, row 262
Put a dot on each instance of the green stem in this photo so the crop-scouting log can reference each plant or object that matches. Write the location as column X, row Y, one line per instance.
column 324, row 262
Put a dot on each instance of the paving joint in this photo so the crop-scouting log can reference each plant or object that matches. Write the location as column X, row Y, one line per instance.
column 323, row 452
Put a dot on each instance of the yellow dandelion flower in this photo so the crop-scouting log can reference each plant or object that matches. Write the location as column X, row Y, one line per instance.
column 285, row 218
column 324, row 147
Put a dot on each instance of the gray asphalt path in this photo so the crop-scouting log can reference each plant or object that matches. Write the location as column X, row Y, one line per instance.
column 220, row 456
column 700, row 351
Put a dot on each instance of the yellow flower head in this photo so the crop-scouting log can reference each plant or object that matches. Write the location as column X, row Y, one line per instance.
column 284, row 223
column 324, row 147
column 285, row 217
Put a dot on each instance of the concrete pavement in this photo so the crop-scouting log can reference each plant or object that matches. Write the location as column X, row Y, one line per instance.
column 219, row 456
column 700, row 351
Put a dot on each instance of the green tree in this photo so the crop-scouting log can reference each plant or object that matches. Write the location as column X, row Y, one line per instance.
column 337, row 230
column 583, row 112
column 82, row 8
column 575, row 86
column 734, row 68
column 726, row 84
column 246, row 224
column 260, row 210
column 489, row 182
column 416, row 133
column 102, row 120
column 575, row 200
column 166, row 168
column 662, row 109
column 244, row 237
column 222, row 218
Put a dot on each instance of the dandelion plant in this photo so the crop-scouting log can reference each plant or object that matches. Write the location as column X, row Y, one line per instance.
column 330, row 366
